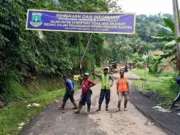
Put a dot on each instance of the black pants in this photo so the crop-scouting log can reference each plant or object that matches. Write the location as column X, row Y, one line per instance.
column 105, row 93
column 69, row 95
column 86, row 98
column 177, row 99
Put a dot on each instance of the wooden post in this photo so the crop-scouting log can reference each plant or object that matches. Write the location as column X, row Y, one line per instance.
column 177, row 29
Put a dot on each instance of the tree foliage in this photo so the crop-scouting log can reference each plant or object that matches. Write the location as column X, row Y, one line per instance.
column 27, row 54
column 124, row 47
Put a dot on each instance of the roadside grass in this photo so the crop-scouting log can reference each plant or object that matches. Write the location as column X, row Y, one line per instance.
column 163, row 91
column 41, row 91
column 18, row 112
column 32, row 88
column 145, row 74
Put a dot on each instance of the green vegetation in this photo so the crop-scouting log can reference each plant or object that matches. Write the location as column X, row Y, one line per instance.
column 131, row 48
column 146, row 75
column 143, row 74
column 25, row 55
column 17, row 112
column 42, row 91
column 33, row 87
column 164, row 92
column 31, row 62
column 161, row 87
column 154, row 33
column 168, row 38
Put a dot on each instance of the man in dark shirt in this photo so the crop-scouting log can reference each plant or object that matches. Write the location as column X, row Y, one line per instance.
column 69, row 92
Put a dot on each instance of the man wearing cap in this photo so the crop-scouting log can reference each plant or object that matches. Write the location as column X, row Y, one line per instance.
column 105, row 87
column 86, row 93
column 69, row 92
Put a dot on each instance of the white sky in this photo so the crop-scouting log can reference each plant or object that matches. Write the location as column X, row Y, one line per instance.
column 147, row 6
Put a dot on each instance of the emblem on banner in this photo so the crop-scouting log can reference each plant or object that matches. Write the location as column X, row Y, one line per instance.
column 36, row 19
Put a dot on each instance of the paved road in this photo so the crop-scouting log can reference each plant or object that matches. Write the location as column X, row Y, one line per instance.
column 169, row 122
column 52, row 121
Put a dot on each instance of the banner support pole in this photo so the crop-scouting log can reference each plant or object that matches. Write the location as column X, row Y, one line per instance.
column 177, row 29
column 80, row 63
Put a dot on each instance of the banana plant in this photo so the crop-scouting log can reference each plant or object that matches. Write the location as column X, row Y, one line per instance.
column 169, row 39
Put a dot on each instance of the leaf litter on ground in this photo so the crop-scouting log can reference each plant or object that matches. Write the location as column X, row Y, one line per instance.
column 56, row 101
column 21, row 125
column 33, row 105
column 149, row 123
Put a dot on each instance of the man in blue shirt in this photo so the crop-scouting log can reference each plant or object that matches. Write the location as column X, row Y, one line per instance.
column 69, row 92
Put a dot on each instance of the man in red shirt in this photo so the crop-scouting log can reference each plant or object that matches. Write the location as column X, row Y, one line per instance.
column 86, row 93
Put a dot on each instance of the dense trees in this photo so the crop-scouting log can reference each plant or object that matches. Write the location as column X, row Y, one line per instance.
column 25, row 54
column 123, row 47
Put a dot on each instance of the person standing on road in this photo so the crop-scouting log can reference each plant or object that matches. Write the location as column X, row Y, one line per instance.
column 177, row 99
column 122, row 90
column 69, row 92
column 126, row 68
column 105, row 88
column 86, row 93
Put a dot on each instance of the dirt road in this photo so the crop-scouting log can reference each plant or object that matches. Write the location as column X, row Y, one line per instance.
column 52, row 121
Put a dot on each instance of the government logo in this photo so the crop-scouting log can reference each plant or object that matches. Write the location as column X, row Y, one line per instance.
column 36, row 19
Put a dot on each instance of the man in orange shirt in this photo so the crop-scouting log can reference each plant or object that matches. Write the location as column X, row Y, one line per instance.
column 122, row 90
